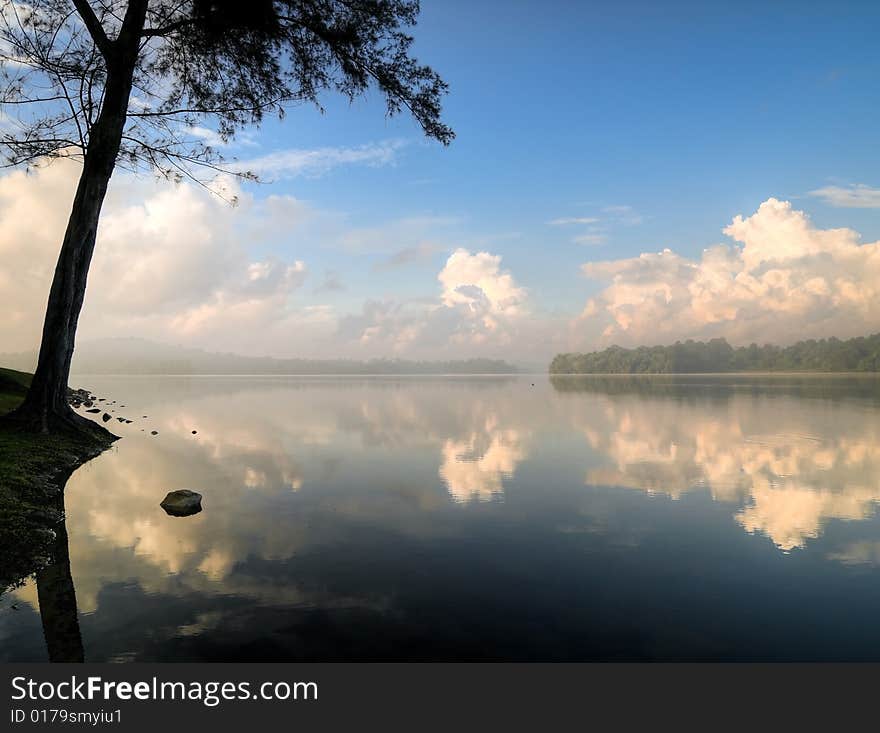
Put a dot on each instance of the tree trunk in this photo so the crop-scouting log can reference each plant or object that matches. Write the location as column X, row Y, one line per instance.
column 45, row 407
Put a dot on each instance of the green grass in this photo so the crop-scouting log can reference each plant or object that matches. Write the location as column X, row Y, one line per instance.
column 31, row 464
column 33, row 471
column 27, row 509
column 13, row 386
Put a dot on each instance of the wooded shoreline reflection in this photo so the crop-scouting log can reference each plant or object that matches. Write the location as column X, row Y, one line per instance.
column 860, row 387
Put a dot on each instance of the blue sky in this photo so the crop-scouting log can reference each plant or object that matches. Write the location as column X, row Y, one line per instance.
column 586, row 133
column 689, row 114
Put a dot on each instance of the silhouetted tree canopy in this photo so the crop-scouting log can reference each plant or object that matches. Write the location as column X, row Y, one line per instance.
column 129, row 82
column 220, row 62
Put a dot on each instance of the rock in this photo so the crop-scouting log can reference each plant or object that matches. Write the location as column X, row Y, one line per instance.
column 94, row 409
column 182, row 503
column 194, row 432
column 121, row 419
column 76, row 398
column 105, row 417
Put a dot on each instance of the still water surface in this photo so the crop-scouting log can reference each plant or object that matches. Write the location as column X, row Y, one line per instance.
column 476, row 518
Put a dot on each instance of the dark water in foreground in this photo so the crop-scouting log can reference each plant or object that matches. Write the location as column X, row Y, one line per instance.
column 475, row 518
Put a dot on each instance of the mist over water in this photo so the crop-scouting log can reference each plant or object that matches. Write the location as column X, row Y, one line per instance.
column 714, row 517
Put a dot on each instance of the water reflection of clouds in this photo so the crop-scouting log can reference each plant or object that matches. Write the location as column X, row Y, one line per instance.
column 474, row 468
column 303, row 484
column 792, row 466
column 252, row 457
column 789, row 466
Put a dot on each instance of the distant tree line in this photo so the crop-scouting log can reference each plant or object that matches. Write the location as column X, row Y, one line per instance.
column 860, row 354
column 720, row 387
column 139, row 356
column 245, row 365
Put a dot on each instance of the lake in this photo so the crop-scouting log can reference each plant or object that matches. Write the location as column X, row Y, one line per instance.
column 471, row 518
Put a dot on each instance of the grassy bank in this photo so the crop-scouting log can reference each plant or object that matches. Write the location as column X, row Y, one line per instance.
column 32, row 466
column 33, row 471
column 13, row 386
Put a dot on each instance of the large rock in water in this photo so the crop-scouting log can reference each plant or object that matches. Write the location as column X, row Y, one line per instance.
column 182, row 503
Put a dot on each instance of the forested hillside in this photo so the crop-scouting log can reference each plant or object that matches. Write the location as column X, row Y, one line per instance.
column 860, row 354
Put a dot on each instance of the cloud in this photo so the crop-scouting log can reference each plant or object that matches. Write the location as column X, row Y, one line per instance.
column 857, row 196
column 297, row 162
column 171, row 262
column 479, row 307
column 482, row 276
column 208, row 136
column 590, row 238
column 566, row 221
column 595, row 232
column 407, row 256
column 175, row 264
column 331, row 283
column 784, row 280
column 623, row 214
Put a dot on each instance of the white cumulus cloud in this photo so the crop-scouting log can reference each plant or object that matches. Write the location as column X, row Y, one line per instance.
column 781, row 280
column 479, row 308
column 171, row 262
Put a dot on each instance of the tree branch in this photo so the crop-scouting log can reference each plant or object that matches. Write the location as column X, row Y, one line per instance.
column 166, row 29
column 94, row 27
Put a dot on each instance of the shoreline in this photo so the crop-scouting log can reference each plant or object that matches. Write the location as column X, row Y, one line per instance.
column 34, row 467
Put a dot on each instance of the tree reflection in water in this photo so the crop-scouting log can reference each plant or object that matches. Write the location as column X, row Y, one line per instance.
column 33, row 541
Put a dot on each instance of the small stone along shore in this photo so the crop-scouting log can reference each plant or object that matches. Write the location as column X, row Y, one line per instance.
column 34, row 466
column 79, row 397
column 179, row 503
column 85, row 399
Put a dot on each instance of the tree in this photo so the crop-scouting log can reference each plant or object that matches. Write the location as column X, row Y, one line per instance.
column 127, row 82
column 860, row 354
